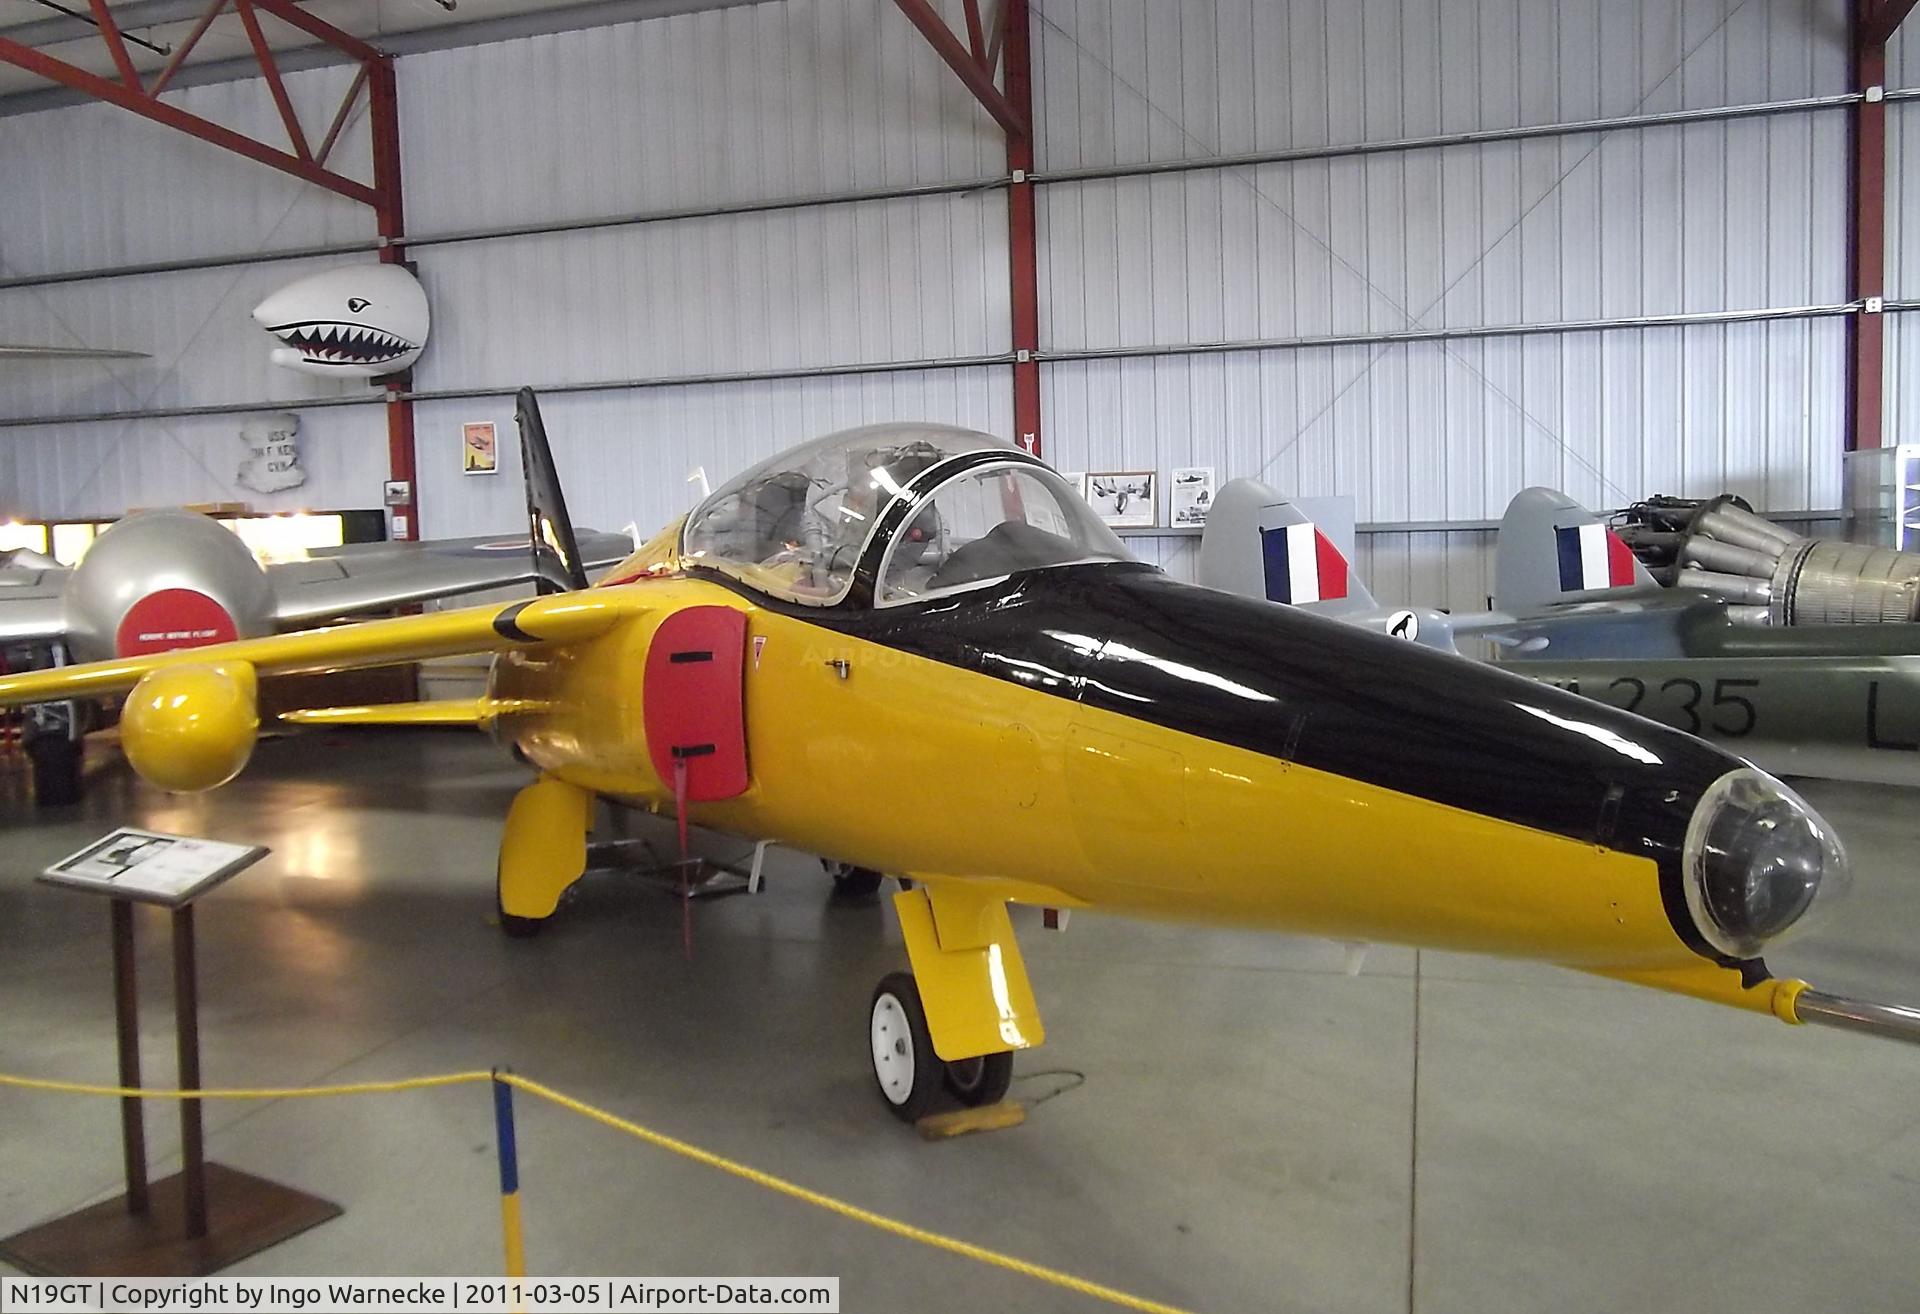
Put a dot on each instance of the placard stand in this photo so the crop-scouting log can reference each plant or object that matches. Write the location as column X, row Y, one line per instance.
column 206, row 1216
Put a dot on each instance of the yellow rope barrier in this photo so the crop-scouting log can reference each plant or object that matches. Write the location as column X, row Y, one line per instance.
column 659, row 1140
column 841, row 1207
column 243, row 1093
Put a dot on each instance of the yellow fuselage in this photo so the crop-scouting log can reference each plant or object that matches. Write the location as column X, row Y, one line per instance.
column 904, row 764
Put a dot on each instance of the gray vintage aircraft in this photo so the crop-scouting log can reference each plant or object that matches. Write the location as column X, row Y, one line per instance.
column 168, row 578
column 1800, row 654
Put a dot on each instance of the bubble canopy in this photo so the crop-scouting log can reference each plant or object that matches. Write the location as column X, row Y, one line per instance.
column 905, row 511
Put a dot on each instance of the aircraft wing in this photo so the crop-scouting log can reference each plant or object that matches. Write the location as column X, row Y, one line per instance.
column 31, row 610
column 32, row 351
column 362, row 577
column 558, row 618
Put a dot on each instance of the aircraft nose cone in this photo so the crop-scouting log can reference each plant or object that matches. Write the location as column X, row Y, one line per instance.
column 1757, row 860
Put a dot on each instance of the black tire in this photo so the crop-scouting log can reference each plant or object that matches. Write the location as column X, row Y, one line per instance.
column 851, row 882
column 520, row 928
column 57, row 764
column 983, row 1080
column 514, row 928
column 910, row 1077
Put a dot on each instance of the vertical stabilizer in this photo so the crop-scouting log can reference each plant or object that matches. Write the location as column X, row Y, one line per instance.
column 1551, row 549
column 556, row 554
column 1260, row 545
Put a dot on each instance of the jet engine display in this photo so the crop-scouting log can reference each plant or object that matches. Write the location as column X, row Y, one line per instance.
column 1765, row 574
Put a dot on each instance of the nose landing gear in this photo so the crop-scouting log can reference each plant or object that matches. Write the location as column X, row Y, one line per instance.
column 909, row 1074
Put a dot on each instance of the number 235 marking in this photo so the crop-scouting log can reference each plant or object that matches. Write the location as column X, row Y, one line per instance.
column 1731, row 715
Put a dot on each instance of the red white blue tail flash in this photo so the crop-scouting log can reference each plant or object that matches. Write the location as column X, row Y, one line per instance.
column 1302, row 565
column 1592, row 557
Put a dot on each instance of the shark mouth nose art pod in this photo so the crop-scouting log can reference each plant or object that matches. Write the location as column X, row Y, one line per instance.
column 362, row 321
column 915, row 649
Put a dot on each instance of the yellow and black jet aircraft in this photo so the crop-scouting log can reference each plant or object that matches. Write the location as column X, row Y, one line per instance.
column 911, row 602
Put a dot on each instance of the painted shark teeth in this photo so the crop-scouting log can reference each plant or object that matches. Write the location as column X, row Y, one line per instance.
column 322, row 342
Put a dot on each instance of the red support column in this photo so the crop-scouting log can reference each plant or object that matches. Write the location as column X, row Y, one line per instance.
column 975, row 64
column 1022, row 233
column 1867, row 230
column 390, row 214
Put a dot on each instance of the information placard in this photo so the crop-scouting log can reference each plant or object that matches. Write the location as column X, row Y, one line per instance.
column 152, row 867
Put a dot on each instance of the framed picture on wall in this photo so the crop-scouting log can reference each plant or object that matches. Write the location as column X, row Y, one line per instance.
column 1124, row 498
column 479, row 448
column 1190, row 495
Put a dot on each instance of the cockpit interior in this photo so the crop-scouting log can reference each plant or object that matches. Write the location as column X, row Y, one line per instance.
column 972, row 509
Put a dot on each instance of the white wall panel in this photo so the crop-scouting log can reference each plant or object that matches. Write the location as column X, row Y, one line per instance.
column 93, row 185
column 1707, row 217
column 78, row 471
column 751, row 102
column 814, row 96
column 887, row 281
column 1449, row 570
column 1635, row 223
column 1126, row 81
column 196, row 326
column 1450, row 431
column 625, row 456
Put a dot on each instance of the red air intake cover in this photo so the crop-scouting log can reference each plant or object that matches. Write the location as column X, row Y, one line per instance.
column 694, row 701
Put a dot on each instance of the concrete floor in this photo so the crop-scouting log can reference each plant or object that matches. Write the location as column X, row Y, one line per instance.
column 1256, row 1129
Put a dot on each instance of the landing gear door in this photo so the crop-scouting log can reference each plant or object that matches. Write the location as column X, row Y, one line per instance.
column 693, row 701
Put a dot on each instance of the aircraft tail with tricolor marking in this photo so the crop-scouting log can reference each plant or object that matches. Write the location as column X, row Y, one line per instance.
column 1552, row 550
column 1257, row 543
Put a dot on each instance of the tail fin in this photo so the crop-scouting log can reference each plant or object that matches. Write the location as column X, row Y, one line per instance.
column 1259, row 544
column 1551, row 549
column 556, row 553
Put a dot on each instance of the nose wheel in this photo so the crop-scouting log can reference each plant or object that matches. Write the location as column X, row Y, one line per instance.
column 982, row 1080
column 909, row 1074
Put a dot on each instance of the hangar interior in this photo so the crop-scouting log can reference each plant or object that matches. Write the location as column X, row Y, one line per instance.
column 1415, row 254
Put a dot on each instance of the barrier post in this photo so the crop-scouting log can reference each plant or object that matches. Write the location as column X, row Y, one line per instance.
column 186, row 1014
column 126, row 1025
column 505, row 1144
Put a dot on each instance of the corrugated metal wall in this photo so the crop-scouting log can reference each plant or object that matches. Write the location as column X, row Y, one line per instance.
column 1679, row 219
column 92, row 186
column 749, row 103
column 820, row 96
column 814, row 97
column 625, row 457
